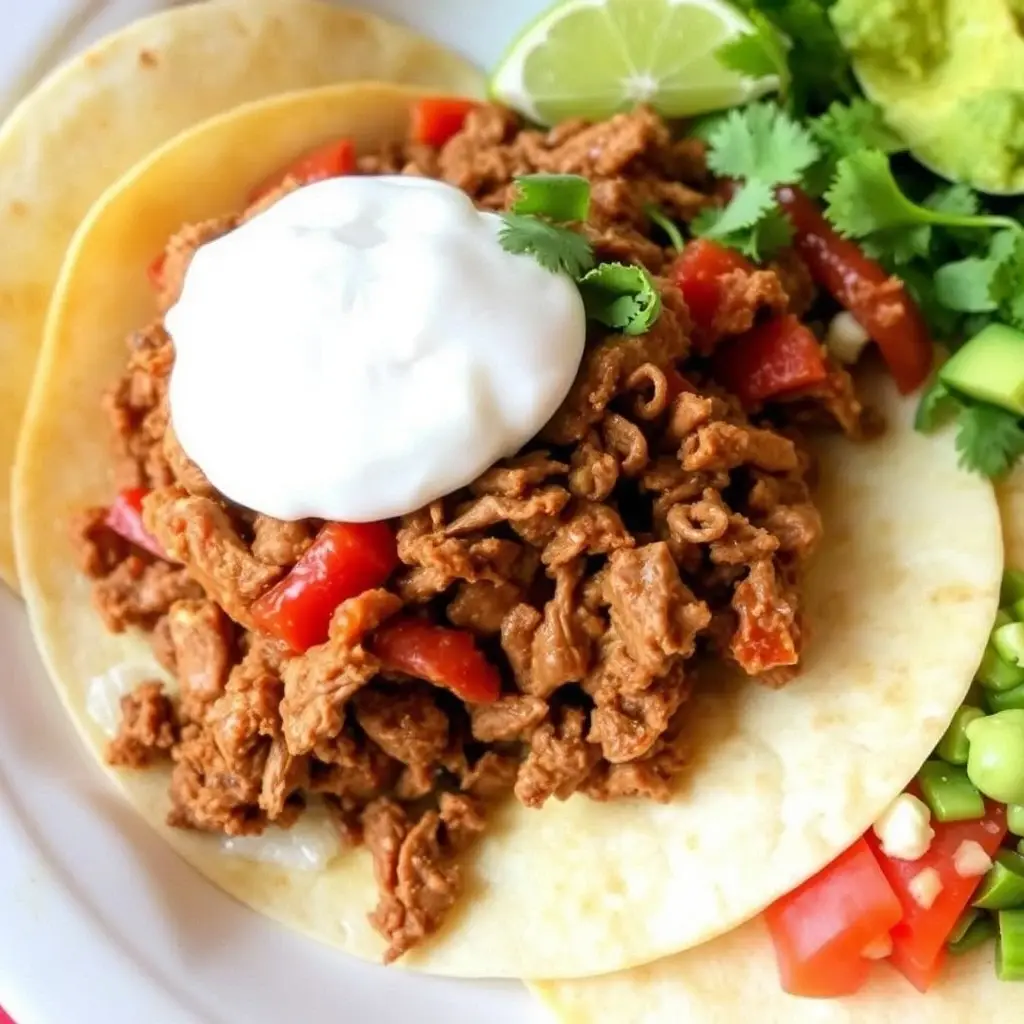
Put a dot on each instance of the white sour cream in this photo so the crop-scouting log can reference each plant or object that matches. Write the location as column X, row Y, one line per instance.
column 363, row 347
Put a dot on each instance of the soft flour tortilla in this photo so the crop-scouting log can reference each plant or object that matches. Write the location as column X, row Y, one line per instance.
column 90, row 121
column 734, row 978
column 900, row 608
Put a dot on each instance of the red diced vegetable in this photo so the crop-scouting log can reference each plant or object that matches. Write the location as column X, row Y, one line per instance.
column 697, row 273
column 444, row 657
column 821, row 928
column 331, row 160
column 775, row 357
column 879, row 301
column 124, row 517
column 436, row 119
column 920, row 937
column 344, row 560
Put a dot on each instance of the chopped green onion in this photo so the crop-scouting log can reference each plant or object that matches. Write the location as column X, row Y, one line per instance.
column 953, row 746
column 963, row 924
column 1008, row 641
column 996, row 674
column 975, row 695
column 1015, row 818
column 949, row 792
column 1012, row 589
column 1003, row 886
column 1005, row 700
column 558, row 197
column 1017, row 610
column 1010, row 957
column 977, row 933
column 656, row 215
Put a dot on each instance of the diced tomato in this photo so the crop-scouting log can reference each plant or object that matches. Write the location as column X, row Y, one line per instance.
column 697, row 273
column 124, row 517
column 775, row 357
column 331, row 160
column 920, row 937
column 879, row 301
column 344, row 560
column 436, row 119
column 444, row 657
column 155, row 271
column 821, row 928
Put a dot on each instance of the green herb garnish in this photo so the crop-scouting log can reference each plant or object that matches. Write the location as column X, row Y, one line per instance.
column 560, row 198
column 555, row 248
column 621, row 296
column 656, row 215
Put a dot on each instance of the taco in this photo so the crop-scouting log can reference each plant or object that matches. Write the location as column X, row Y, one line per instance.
column 662, row 658
column 89, row 121
column 741, row 976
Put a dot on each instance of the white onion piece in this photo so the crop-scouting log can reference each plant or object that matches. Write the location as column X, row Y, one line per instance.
column 309, row 845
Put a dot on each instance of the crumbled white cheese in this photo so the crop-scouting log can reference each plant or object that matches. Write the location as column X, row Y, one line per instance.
column 971, row 860
column 879, row 949
column 903, row 829
column 309, row 845
column 846, row 338
column 925, row 887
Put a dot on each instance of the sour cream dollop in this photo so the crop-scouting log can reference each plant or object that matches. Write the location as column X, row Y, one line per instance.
column 363, row 347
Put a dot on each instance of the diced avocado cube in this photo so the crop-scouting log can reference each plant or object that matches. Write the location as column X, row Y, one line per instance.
column 989, row 368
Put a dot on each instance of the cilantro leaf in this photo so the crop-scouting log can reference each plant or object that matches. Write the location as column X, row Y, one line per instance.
column 959, row 200
column 966, row 285
column 555, row 248
column 760, row 141
column 621, row 296
column 989, row 439
column 936, row 406
column 1006, row 252
column 865, row 199
column 848, row 128
column 752, row 222
column 757, row 54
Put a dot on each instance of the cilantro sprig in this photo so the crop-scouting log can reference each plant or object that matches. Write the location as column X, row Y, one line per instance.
column 763, row 147
column 622, row 297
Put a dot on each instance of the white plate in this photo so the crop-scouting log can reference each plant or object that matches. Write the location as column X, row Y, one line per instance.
column 100, row 923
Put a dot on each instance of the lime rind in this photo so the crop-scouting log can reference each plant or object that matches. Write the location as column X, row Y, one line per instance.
column 594, row 58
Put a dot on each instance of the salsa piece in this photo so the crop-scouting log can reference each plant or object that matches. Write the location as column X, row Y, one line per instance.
column 879, row 302
column 344, row 560
column 331, row 160
column 124, row 517
column 444, row 657
column 776, row 357
column 822, row 927
column 437, row 118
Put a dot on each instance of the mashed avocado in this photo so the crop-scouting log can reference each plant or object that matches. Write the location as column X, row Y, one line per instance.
column 949, row 76
column 907, row 35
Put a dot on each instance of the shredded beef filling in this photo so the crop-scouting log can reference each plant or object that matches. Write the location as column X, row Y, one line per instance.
column 646, row 527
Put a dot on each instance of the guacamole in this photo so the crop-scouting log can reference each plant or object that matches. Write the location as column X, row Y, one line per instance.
column 949, row 76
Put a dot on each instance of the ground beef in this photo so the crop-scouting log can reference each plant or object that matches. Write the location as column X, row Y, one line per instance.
column 653, row 522
column 148, row 728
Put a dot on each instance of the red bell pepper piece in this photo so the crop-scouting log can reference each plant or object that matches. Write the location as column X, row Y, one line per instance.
column 436, row 119
column 444, row 657
column 775, row 357
column 124, row 517
column 822, row 927
column 698, row 271
column 344, row 560
column 919, row 939
column 879, row 301
column 331, row 160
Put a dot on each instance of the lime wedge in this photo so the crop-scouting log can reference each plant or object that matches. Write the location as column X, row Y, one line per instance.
column 594, row 58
